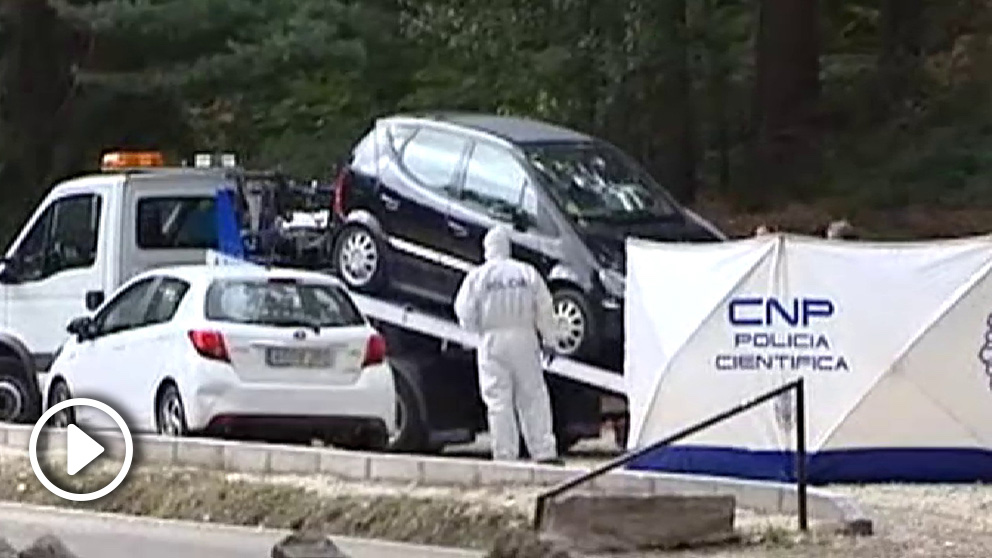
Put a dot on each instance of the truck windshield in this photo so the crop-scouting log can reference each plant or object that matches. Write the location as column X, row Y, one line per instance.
column 280, row 303
column 594, row 181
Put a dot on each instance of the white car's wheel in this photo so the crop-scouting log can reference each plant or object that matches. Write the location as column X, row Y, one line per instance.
column 170, row 413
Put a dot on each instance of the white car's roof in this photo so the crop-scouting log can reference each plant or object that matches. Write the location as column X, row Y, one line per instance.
column 204, row 273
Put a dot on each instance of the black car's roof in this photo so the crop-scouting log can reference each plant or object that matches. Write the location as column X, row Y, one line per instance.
column 511, row 128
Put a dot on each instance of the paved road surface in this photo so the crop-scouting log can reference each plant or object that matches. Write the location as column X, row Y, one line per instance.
column 92, row 535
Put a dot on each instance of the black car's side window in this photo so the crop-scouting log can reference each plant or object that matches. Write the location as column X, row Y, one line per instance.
column 165, row 302
column 126, row 311
column 432, row 157
column 494, row 181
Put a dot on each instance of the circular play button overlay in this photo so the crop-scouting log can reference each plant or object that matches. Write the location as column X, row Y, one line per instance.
column 81, row 449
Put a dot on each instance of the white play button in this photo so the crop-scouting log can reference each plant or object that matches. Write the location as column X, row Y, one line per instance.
column 80, row 449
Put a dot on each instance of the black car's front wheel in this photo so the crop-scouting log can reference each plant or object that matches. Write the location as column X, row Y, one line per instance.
column 358, row 259
column 576, row 325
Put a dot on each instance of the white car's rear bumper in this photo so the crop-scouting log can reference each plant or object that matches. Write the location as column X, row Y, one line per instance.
column 218, row 395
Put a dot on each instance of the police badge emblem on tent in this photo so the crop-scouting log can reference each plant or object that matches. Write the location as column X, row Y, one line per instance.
column 985, row 354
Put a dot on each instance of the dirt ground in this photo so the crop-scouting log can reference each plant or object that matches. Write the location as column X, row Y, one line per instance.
column 945, row 521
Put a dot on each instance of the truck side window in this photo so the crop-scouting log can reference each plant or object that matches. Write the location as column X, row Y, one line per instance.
column 176, row 223
column 31, row 252
column 64, row 237
column 75, row 230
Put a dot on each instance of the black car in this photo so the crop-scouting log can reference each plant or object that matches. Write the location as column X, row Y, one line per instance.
column 420, row 191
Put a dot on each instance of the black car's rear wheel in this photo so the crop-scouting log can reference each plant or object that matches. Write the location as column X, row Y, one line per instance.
column 576, row 325
column 358, row 259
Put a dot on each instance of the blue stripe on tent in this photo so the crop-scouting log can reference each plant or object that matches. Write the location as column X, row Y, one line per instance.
column 909, row 465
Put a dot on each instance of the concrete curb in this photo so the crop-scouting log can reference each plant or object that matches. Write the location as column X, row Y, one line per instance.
column 240, row 457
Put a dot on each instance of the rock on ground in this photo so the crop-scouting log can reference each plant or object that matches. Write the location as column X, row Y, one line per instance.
column 47, row 546
column 307, row 545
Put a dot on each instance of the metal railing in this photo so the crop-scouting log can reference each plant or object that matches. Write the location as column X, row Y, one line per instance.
column 800, row 462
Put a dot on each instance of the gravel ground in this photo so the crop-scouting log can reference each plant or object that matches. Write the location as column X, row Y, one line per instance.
column 946, row 521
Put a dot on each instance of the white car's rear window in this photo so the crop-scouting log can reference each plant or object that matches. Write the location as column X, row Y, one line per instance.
column 280, row 302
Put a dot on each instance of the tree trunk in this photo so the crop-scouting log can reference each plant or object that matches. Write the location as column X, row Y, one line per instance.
column 902, row 23
column 786, row 151
column 675, row 156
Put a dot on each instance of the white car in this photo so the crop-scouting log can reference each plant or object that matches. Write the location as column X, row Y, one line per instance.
column 230, row 350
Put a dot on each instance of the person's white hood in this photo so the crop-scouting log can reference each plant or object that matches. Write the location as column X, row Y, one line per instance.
column 497, row 243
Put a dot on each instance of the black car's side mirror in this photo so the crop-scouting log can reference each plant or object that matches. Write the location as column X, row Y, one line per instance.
column 81, row 327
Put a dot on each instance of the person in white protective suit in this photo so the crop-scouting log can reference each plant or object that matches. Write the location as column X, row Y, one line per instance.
column 508, row 304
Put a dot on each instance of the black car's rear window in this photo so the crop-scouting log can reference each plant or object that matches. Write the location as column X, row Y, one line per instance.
column 277, row 302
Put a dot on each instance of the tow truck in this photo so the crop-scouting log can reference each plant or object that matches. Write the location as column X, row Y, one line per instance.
column 90, row 234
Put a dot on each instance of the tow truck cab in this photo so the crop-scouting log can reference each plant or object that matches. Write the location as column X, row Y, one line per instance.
column 87, row 237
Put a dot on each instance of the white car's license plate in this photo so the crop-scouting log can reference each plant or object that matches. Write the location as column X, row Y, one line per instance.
column 283, row 357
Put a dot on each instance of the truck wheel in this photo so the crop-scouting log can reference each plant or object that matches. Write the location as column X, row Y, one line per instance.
column 18, row 402
column 578, row 335
column 412, row 433
column 373, row 438
column 621, row 431
column 359, row 259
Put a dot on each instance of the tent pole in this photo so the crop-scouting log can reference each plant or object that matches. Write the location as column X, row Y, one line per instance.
column 801, row 454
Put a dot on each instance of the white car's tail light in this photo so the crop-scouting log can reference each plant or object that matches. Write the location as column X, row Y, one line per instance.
column 210, row 344
column 375, row 350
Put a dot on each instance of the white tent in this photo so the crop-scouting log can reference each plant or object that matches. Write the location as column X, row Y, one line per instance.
column 894, row 341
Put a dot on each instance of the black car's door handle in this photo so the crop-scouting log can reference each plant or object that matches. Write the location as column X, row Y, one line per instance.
column 457, row 230
column 389, row 202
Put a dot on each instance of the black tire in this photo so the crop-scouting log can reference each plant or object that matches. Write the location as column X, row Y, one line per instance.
column 578, row 327
column 621, row 432
column 374, row 438
column 58, row 393
column 413, row 435
column 170, row 413
column 357, row 240
column 19, row 401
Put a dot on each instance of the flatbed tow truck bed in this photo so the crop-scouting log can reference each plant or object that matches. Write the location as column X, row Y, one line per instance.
column 408, row 317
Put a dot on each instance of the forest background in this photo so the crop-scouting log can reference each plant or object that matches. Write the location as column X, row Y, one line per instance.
column 754, row 111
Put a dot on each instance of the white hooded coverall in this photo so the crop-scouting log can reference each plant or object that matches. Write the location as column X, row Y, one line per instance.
column 508, row 303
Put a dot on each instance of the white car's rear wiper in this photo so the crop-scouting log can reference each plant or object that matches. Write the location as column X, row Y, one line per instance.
column 309, row 324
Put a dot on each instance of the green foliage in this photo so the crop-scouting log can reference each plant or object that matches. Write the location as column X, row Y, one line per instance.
column 904, row 108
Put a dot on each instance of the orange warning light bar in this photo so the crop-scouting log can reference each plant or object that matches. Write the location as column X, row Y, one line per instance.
column 132, row 159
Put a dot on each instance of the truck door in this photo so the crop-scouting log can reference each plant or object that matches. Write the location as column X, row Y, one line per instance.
column 57, row 264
